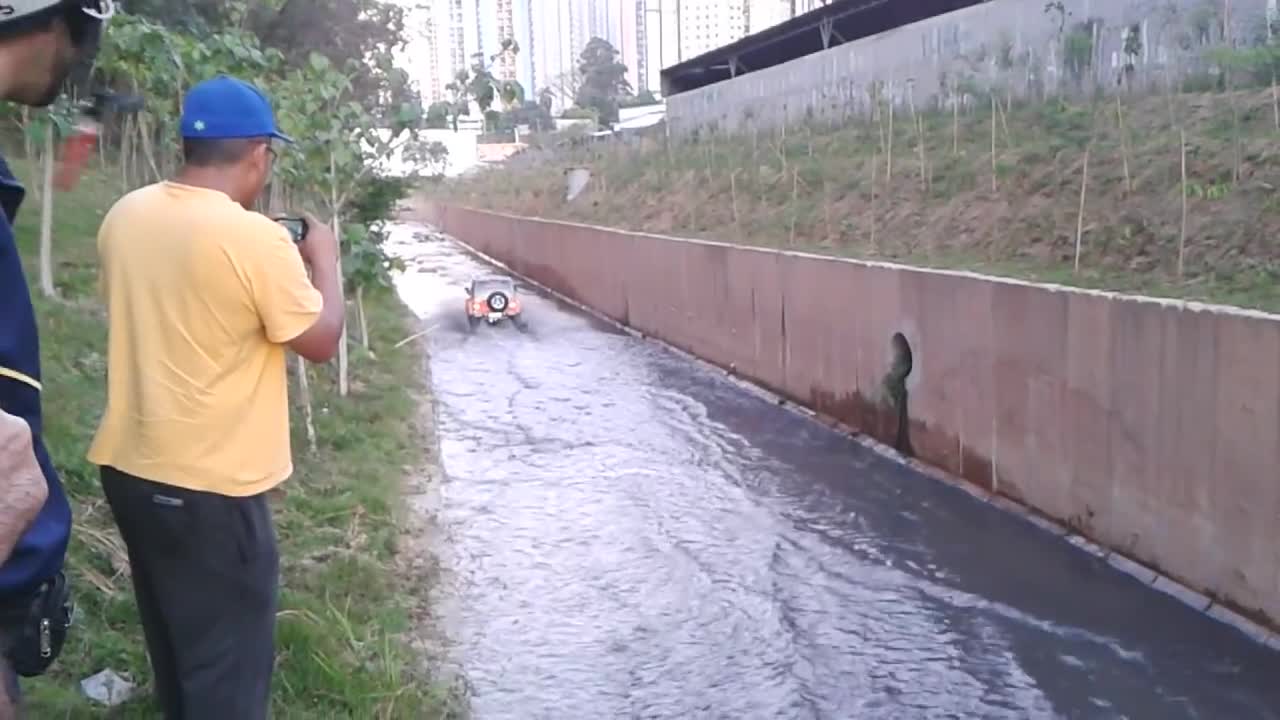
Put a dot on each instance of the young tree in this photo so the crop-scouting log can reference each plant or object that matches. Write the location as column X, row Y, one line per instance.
column 485, row 88
column 45, row 129
column 459, row 103
column 478, row 85
column 564, row 87
column 430, row 160
column 438, row 115
column 533, row 114
column 604, row 80
column 340, row 146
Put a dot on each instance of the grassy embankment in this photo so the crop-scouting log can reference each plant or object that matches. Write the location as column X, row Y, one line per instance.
column 920, row 190
column 345, row 609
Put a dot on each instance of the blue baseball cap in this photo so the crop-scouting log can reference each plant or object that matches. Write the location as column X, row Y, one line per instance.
column 224, row 108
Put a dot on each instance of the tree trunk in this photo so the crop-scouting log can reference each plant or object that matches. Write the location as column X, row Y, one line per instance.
column 46, row 218
column 102, row 146
column 126, row 147
column 148, row 150
column 308, row 415
column 27, row 145
column 343, row 376
column 364, row 321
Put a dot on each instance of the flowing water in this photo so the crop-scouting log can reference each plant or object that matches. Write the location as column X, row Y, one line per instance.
column 630, row 534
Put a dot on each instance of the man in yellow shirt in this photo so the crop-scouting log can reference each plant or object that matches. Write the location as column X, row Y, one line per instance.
column 204, row 296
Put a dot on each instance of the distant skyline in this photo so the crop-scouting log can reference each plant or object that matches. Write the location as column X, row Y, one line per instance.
column 649, row 35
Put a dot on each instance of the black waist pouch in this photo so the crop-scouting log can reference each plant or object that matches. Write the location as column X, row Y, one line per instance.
column 36, row 627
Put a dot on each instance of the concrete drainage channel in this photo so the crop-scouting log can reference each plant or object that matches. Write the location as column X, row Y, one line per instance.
column 895, row 387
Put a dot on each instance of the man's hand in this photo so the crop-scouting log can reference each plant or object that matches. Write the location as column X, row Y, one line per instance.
column 23, row 487
column 320, row 248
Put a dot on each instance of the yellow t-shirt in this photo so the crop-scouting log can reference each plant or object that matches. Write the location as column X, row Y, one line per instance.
column 201, row 296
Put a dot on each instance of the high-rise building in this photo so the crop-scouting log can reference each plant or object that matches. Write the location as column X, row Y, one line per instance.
column 800, row 7
column 434, row 82
column 555, row 52
column 531, row 50
column 764, row 14
column 628, row 37
column 708, row 24
column 579, row 25
column 434, row 51
column 522, row 33
column 661, row 31
column 465, row 34
column 642, row 48
column 498, row 21
column 504, row 29
column 551, row 35
column 600, row 21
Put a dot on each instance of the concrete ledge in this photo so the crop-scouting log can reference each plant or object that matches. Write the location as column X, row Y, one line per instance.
column 1129, row 567
column 1088, row 546
column 1171, row 587
column 1044, row 523
column 1224, row 614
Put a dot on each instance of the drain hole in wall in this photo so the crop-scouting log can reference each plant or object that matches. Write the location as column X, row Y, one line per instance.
column 895, row 388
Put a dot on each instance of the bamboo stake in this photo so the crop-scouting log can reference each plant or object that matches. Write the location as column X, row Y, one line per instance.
column 919, row 125
column 1084, row 187
column 888, row 173
column 955, row 118
column 1182, row 238
column 1275, row 90
column 880, row 125
column 1004, row 123
column 875, row 169
column 411, row 338
column 1275, row 101
column 826, row 208
column 733, row 197
column 994, row 187
column 795, row 193
column 1124, row 145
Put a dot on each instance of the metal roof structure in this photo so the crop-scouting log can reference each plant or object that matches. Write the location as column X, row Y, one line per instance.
column 840, row 22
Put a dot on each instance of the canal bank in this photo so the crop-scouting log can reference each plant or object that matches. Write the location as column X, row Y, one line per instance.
column 1150, row 426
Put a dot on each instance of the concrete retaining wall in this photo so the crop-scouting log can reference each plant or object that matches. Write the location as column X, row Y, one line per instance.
column 1009, row 47
column 1151, row 426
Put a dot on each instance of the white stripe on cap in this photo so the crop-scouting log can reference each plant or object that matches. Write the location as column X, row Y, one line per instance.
column 100, row 9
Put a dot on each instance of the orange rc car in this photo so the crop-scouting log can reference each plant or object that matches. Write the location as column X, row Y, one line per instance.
column 492, row 299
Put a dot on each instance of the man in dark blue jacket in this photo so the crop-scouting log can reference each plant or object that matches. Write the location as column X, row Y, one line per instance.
column 41, row 41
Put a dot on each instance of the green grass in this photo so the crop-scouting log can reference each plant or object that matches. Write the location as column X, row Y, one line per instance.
column 342, row 648
column 827, row 189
